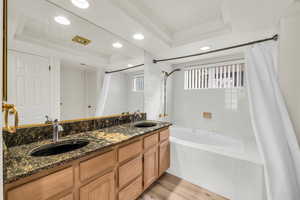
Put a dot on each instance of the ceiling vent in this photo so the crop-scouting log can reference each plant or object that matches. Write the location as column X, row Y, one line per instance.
column 81, row 40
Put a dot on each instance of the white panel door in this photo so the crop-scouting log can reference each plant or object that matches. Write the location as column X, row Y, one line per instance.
column 73, row 93
column 29, row 86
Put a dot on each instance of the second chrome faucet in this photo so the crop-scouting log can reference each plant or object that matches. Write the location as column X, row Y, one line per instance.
column 56, row 129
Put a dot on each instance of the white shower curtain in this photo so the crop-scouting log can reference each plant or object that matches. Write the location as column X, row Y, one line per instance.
column 272, row 126
column 102, row 98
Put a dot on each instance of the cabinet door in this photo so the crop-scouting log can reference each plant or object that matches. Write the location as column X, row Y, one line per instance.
column 164, row 157
column 150, row 166
column 102, row 188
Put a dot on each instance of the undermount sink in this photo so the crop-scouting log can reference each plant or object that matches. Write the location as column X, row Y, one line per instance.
column 59, row 147
column 145, row 124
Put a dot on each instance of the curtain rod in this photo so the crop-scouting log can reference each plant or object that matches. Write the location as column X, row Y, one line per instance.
column 275, row 38
column 119, row 70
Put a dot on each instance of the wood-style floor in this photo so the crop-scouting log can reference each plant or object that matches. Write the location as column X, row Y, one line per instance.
column 169, row 187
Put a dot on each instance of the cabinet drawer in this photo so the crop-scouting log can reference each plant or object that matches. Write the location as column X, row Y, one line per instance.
column 96, row 165
column 44, row 188
column 150, row 141
column 163, row 135
column 132, row 191
column 68, row 197
column 130, row 171
column 101, row 188
column 130, row 151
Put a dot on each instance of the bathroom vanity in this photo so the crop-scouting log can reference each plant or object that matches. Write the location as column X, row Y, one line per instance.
column 120, row 162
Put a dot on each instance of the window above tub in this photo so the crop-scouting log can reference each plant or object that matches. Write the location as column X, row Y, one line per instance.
column 138, row 83
column 224, row 75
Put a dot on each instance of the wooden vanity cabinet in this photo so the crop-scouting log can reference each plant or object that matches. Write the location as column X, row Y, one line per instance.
column 122, row 172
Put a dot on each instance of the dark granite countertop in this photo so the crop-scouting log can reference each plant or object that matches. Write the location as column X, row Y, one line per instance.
column 19, row 164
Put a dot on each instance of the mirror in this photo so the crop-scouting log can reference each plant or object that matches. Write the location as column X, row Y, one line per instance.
column 57, row 62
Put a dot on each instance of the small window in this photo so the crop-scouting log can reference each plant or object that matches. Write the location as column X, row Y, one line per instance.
column 138, row 83
column 221, row 76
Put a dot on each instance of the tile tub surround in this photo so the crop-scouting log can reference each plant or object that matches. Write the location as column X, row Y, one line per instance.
column 19, row 164
column 38, row 133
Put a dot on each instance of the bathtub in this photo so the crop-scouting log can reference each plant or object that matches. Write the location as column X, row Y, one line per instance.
column 216, row 162
column 207, row 140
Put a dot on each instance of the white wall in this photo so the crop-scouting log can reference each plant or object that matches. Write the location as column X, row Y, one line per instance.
column 289, row 67
column 229, row 108
column 154, row 88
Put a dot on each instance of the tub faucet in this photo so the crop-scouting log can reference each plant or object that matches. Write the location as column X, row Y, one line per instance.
column 56, row 129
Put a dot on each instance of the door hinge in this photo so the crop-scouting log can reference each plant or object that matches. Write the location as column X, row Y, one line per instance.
column 49, row 67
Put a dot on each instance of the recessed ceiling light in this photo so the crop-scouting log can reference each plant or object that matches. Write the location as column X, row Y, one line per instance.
column 62, row 20
column 129, row 65
column 83, row 4
column 117, row 45
column 205, row 48
column 138, row 36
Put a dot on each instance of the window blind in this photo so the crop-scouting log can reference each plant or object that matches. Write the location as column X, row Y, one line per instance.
column 138, row 83
column 223, row 76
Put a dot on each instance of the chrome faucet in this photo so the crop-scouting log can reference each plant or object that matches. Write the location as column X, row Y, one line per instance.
column 48, row 120
column 137, row 114
column 56, row 129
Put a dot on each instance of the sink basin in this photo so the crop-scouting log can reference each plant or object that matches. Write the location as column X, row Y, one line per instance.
column 145, row 124
column 59, row 148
